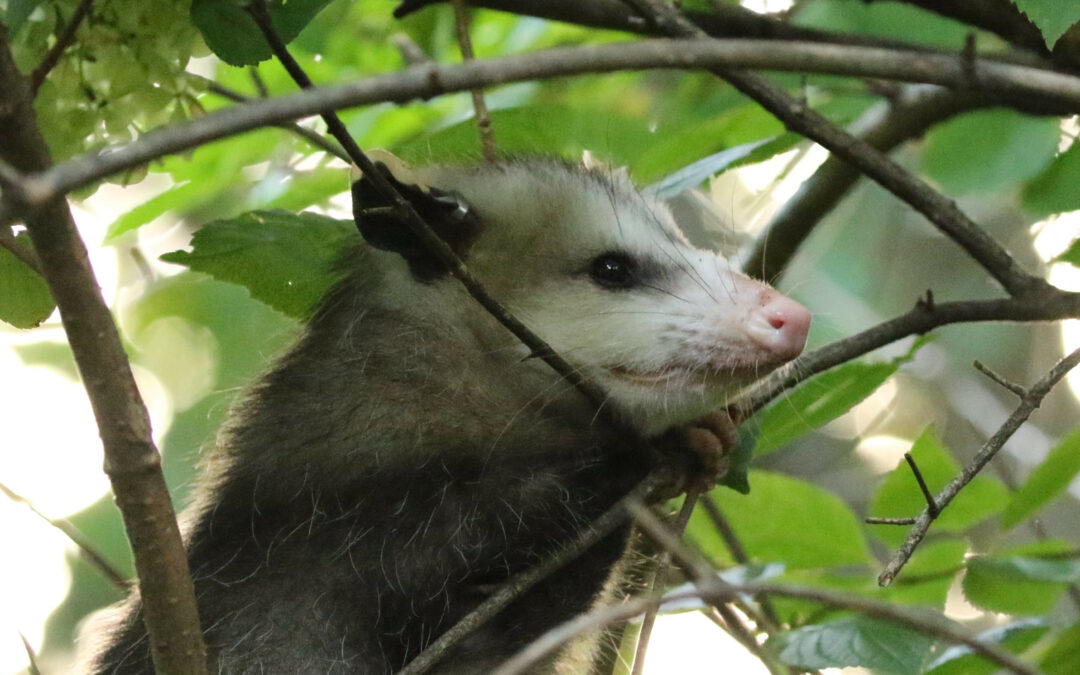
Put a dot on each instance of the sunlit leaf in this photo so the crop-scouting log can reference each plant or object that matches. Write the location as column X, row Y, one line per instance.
column 283, row 259
column 1054, row 189
column 1063, row 656
column 1014, row 637
column 989, row 150
column 233, row 35
column 806, row 526
column 1052, row 17
column 1047, row 482
column 822, row 399
column 25, row 300
column 854, row 641
column 1027, row 580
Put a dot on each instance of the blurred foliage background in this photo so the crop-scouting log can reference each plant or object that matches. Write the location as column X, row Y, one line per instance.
column 197, row 341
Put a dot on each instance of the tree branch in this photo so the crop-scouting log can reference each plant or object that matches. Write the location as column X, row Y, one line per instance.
column 884, row 128
column 927, row 623
column 131, row 460
column 1028, row 404
column 1057, row 90
column 1050, row 305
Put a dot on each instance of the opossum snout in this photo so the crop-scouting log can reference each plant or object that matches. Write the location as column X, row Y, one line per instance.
column 778, row 325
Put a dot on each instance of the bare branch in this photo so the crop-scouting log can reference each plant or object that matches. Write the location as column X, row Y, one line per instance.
column 426, row 81
column 1011, row 386
column 884, row 128
column 931, row 506
column 927, row 623
column 658, row 582
column 1028, row 404
column 1050, row 305
column 131, row 460
column 483, row 119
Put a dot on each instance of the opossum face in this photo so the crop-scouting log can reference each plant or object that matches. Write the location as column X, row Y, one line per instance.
column 603, row 274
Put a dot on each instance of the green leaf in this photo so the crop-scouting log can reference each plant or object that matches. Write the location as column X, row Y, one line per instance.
column 25, row 300
column 283, row 259
column 822, row 399
column 854, row 641
column 930, row 572
column 1054, row 190
column 18, row 11
column 232, row 34
column 691, row 176
column 1018, row 584
column 899, row 495
column 1015, row 637
column 1052, row 17
column 1047, row 482
column 785, row 520
column 989, row 150
column 1063, row 656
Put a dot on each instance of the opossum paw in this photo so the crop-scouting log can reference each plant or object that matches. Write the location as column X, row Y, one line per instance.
column 705, row 447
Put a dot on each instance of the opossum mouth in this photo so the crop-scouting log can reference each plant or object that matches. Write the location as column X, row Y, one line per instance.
column 651, row 378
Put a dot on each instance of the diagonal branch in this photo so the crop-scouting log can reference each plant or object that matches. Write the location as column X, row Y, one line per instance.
column 1028, row 404
column 63, row 41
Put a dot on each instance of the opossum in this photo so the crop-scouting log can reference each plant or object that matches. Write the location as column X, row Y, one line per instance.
column 408, row 454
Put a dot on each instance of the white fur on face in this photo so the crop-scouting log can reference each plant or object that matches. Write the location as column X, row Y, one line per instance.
column 669, row 348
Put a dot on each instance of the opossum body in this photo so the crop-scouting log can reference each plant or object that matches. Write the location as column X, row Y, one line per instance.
column 406, row 456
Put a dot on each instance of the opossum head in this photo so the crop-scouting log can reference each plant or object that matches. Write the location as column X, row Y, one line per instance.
column 602, row 273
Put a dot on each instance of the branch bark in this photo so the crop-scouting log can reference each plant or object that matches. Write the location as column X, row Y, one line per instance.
column 1058, row 91
column 1029, row 402
column 131, row 460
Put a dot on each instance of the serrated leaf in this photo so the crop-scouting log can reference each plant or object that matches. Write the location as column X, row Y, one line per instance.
column 232, row 34
column 283, row 259
column 25, row 300
column 785, row 520
column 1047, row 482
column 1063, row 656
column 1052, row 17
column 693, row 175
column 854, row 641
column 1054, row 189
column 1015, row 637
column 989, row 150
column 899, row 495
column 1017, row 584
column 822, row 399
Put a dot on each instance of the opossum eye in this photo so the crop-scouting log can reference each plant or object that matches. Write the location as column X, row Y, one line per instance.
column 613, row 270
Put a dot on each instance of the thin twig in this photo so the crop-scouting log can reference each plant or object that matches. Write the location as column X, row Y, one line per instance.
column 85, row 546
column 63, row 41
column 874, row 520
column 1028, row 404
column 1011, row 386
column 514, row 588
column 771, row 621
column 931, row 505
column 657, row 582
column 313, row 137
column 483, row 119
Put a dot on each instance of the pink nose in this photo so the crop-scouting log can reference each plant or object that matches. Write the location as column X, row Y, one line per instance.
column 779, row 325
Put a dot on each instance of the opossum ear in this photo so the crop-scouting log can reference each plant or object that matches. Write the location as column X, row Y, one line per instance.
column 385, row 228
